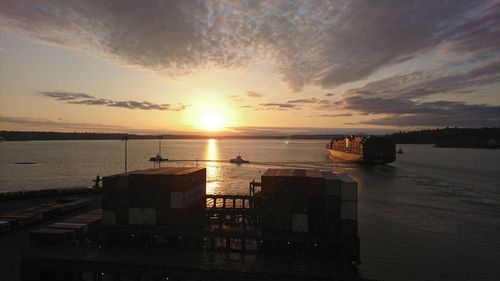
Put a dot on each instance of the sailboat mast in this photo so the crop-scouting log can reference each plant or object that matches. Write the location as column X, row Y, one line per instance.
column 159, row 145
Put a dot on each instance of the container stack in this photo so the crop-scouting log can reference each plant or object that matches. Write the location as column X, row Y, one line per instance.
column 284, row 194
column 348, row 205
column 28, row 216
column 318, row 205
column 353, row 145
column 172, row 197
column 77, row 228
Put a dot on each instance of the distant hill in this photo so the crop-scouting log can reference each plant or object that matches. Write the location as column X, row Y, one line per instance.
column 448, row 136
column 433, row 136
column 37, row 136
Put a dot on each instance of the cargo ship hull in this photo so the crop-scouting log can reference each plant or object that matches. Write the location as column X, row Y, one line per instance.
column 369, row 150
column 345, row 155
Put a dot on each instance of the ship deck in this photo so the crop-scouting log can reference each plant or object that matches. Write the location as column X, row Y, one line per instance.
column 184, row 264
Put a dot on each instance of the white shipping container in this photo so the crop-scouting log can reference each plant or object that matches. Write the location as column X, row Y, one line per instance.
column 348, row 188
column 349, row 210
column 300, row 223
column 108, row 217
column 332, row 184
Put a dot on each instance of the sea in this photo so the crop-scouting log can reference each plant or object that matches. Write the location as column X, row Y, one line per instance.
column 433, row 214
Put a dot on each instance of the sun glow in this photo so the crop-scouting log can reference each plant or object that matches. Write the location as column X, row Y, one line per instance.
column 212, row 121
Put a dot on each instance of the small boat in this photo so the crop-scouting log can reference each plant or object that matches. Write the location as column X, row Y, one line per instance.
column 238, row 160
column 400, row 151
column 158, row 158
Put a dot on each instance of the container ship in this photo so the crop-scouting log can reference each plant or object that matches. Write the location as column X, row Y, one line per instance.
column 159, row 224
column 366, row 149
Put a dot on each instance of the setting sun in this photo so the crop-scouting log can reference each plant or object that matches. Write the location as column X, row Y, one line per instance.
column 212, row 121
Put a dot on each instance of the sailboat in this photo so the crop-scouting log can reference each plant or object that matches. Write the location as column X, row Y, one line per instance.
column 158, row 157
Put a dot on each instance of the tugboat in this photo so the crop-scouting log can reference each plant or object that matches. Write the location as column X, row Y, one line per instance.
column 158, row 157
column 400, row 151
column 238, row 160
column 363, row 149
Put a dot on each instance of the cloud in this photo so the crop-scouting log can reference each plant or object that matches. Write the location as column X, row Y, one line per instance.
column 66, row 96
column 336, row 115
column 402, row 112
column 86, row 99
column 304, row 101
column 235, row 98
column 254, row 94
column 276, row 106
column 92, row 101
column 425, row 83
column 47, row 123
column 287, row 131
column 324, row 43
column 146, row 105
column 415, row 99
column 246, row 106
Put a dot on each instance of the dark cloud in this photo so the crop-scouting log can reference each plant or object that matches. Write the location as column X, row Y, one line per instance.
column 421, row 84
column 254, row 94
column 246, row 106
column 146, row 105
column 336, row 115
column 325, row 43
column 86, row 99
column 276, row 106
column 401, row 112
column 44, row 123
column 400, row 100
column 66, row 96
column 91, row 102
column 284, row 131
column 304, row 101
column 459, row 114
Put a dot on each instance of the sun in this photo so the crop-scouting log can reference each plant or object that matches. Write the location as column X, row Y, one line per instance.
column 212, row 121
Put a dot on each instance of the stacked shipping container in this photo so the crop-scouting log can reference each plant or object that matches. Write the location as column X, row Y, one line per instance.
column 171, row 196
column 352, row 145
column 320, row 205
column 76, row 228
column 24, row 217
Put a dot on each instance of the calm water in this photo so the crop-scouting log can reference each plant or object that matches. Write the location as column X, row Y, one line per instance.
column 434, row 214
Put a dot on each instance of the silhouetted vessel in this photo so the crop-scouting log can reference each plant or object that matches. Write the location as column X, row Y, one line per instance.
column 400, row 151
column 238, row 160
column 158, row 158
column 366, row 149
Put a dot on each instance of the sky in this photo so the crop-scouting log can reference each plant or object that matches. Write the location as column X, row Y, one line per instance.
column 248, row 67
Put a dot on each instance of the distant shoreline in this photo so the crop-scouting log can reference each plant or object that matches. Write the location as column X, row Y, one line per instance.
column 46, row 136
column 464, row 136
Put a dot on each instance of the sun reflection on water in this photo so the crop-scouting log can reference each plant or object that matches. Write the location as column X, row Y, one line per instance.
column 212, row 153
